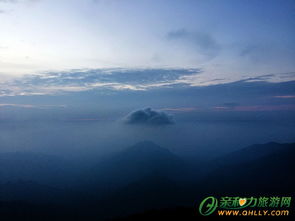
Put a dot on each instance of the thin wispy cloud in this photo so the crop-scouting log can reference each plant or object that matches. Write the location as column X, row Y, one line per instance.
column 44, row 106
column 8, row 1
column 18, row 1
column 83, row 80
column 285, row 96
column 254, row 108
column 181, row 109
column 118, row 79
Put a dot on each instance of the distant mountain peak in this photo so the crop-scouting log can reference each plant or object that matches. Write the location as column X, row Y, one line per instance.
column 147, row 147
column 144, row 159
column 256, row 151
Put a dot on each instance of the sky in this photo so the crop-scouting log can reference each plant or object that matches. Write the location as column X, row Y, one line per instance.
column 201, row 69
column 225, row 39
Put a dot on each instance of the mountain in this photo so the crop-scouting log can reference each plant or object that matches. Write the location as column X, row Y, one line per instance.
column 266, row 168
column 134, row 163
column 254, row 152
column 30, row 192
column 36, row 167
column 147, row 177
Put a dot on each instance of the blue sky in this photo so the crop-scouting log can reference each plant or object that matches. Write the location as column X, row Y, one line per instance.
column 229, row 40
column 182, row 56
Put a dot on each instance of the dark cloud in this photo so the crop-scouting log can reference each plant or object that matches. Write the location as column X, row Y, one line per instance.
column 176, row 34
column 149, row 116
column 204, row 42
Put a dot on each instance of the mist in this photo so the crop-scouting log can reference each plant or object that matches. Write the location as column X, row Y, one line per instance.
column 199, row 134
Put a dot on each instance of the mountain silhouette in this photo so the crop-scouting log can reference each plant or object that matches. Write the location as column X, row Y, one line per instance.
column 265, row 168
column 254, row 152
column 147, row 177
column 37, row 167
column 30, row 192
column 134, row 163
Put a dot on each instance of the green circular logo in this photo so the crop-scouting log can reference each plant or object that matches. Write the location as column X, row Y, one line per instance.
column 208, row 206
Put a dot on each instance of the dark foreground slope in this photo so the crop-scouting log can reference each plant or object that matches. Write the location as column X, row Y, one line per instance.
column 146, row 177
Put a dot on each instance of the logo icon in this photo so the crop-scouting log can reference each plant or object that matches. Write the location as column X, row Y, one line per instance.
column 242, row 201
column 208, row 206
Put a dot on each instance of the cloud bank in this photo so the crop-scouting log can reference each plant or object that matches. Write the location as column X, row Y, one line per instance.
column 88, row 79
column 150, row 117
column 119, row 79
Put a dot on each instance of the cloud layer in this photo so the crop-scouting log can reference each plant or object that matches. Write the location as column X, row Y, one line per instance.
column 117, row 79
column 150, row 117
column 88, row 79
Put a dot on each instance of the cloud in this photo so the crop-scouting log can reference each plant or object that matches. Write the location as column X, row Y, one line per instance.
column 203, row 42
column 284, row 96
column 250, row 108
column 9, row 1
column 120, row 79
column 18, row 1
column 228, row 106
column 250, row 49
column 46, row 106
column 181, row 109
column 83, row 80
column 150, row 117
